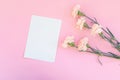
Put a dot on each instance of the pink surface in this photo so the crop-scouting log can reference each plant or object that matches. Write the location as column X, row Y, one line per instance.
column 70, row 65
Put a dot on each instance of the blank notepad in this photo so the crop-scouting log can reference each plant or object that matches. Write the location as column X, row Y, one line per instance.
column 42, row 38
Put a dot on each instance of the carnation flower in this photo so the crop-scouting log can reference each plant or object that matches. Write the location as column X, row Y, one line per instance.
column 80, row 23
column 96, row 29
column 69, row 41
column 82, row 46
column 75, row 11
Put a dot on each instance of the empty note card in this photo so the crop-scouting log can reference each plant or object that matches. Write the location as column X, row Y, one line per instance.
column 42, row 38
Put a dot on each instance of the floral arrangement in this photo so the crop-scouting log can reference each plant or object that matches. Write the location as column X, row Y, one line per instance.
column 96, row 29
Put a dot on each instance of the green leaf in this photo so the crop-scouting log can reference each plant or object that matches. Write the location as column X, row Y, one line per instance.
column 86, row 25
column 118, row 46
column 71, row 44
column 101, row 35
column 88, row 46
column 80, row 13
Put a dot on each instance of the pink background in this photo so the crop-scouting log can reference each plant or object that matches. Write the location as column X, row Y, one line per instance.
column 70, row 65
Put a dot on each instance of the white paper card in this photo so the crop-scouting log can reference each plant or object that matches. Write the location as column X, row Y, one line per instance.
column 42, row 38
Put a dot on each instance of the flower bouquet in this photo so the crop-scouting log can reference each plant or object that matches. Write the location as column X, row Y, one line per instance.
column 96, row 28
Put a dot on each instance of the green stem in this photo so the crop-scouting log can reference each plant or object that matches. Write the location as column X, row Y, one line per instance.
column 91, row 19
column 101, row 53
